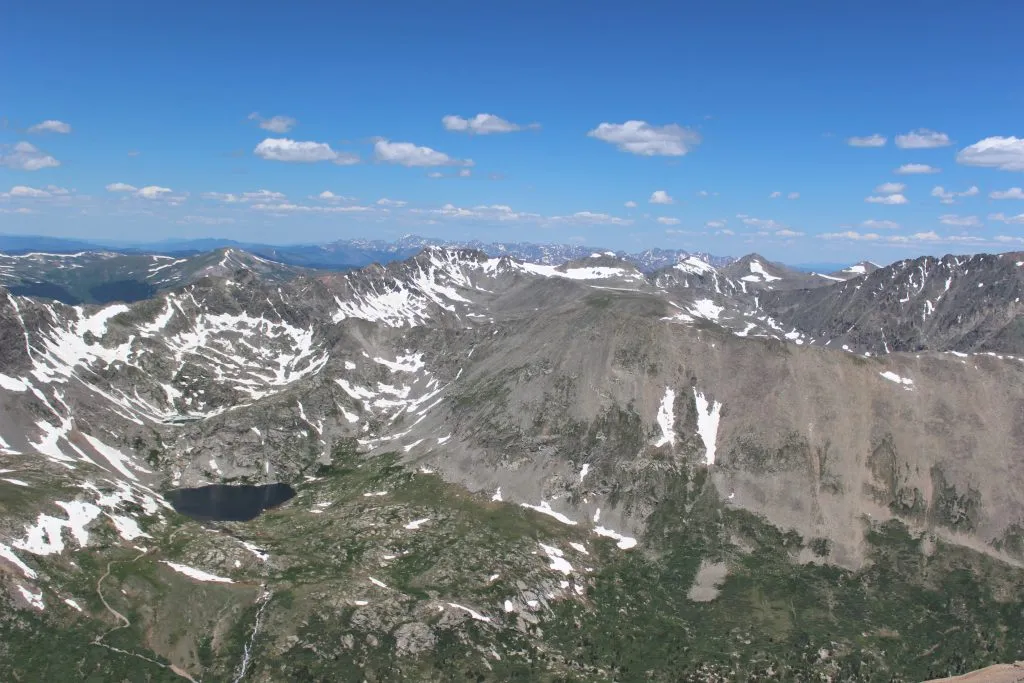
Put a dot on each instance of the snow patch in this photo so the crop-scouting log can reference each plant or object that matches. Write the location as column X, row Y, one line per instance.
column 667, row 419
column 558, row 562
column 708, row 414
column 545, row 509
column 197, row 574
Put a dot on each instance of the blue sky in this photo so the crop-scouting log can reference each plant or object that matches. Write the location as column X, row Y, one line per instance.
column 231, row 119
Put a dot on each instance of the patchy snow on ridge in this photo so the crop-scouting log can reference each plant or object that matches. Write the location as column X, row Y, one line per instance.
column 905, row 382
column 694, row 266
column 545, row 509
column 708, row 414
column 624, row 542
column 473, row 613
column 667, row 419
column 558, row 561
column 759, row 274
column 46, row 536
column 197, row 574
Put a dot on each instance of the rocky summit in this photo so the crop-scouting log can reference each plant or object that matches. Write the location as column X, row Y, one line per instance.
column 471, row 467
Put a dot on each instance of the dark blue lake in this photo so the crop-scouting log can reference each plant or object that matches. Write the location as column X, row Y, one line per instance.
column 229, row 503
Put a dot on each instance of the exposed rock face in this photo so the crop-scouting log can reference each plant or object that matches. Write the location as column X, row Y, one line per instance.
column 476, row 439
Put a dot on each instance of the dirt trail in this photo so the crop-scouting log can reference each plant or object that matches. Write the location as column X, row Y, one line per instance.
column 126, row 622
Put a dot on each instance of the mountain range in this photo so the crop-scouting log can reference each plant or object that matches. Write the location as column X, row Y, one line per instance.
column 578, row 466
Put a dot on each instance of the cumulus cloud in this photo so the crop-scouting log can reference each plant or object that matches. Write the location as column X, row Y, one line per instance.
column 329, row 196
column 489, row 212
column 630, row 204
column 960, row 221
column 1003, row 153
column 410, row 155
column 764, row 224
column 275, row 124
column 1012, row 193
column 786, row 232
column 24, row 156
column 1003, row 218
column 397, row 203
column 890, row 188
column 666, row 220
column 902, row 240
column 258, row 195
column 714, row 224
column 890, row 199
column 916, row 169
column 289, row 207
column 875, row 140
column 661, row 197
column 292, row 151
column 641, row 138
column 592, row 218
column 121, row 187
column 922, row 138
column 153, row 192
column 775, row 195
column 872, row 224
column 793, row 195
column 850, row 235
column 50, row 126
column 483, row 124
column 947, row 197
column 28, row 192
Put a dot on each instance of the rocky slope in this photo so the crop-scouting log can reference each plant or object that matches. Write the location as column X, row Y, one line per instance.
column 512, row 471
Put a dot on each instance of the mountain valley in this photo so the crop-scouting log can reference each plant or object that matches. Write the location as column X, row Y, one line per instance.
column 575, row 469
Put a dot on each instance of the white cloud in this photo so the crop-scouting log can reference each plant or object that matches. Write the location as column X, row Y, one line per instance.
column 465, row 173
column 666, row 220
column 207, row 220
column 960, row 221
column 51, row 126
column 259, row 195
column 875, row 140
column 153, row 192
column 24, row 156
column 639, row 137
column 714, row 224
column 765, row 224
column 435, row 175
column 703, row 193
column 786, row 232
column 890, row 199
column 922, row 138
column 121, row 187
column 292, row 151
column 873, row 224
column 1003, row 153
column 492, row 212
column 851, row 235
column 726, row 232
column 947, row 197
column 1012, row 193
column 661, row 197
column 916, row 169
column 630, row 204
column 775, row 195
column 384, row 201
column 288, row 207
column 408, row 154
column 1009, row 239
column 275, row 124
column 592, row 218
column 890, row 188
column 329, row 196
column 793, row 195
column 1003, row 218
column 19, row 210
column 482, row 124
column 25, row 191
